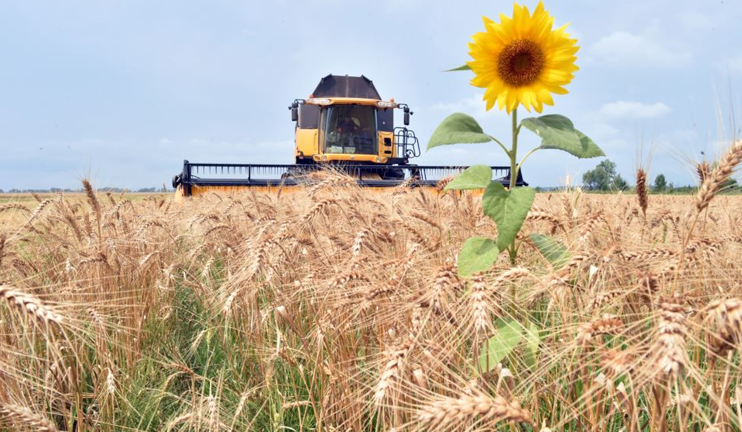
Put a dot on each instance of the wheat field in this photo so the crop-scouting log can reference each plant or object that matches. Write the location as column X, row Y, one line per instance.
column 334, row 309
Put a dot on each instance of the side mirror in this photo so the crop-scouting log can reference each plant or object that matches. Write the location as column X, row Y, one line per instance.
column 406, row 116
column 294, row 111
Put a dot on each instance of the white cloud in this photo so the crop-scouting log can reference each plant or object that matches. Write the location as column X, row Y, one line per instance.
column 633, row 110
column 640, row 51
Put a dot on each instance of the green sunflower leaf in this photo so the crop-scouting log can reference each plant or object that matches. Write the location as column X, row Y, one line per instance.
column 495, row 349
column 475, row 177
column 458, row 128
column 477, row 254
column 508, row 209
column 460, row 68
column 533, row 339
column 558, row 132
column 551, row 249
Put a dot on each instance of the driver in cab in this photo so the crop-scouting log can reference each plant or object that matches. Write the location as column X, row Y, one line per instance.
column 348, row 125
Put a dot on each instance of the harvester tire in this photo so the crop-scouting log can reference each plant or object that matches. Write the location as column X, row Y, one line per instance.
column 393, row 174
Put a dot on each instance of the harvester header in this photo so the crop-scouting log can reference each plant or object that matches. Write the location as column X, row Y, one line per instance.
column 344, row 125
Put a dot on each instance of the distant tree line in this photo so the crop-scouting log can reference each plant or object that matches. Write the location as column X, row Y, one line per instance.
column 604, row 178
column 105, row 189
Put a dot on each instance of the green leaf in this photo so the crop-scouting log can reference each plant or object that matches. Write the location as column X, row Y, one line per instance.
column 477, row 254
column 460, row 68
column 551, row 249
column 558, row 132
column 458, row 128
column 508, row 209
column 495, row 349
column 532, row 345
column 475, row 177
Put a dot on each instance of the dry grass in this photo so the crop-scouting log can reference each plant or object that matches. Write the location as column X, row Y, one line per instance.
column 343, row 311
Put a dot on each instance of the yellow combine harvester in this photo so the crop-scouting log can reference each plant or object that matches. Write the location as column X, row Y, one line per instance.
column 344, row 125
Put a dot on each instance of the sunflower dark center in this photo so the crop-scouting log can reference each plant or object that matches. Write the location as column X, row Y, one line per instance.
column 520, row 62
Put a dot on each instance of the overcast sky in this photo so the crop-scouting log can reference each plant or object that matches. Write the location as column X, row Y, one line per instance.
column 123, row 90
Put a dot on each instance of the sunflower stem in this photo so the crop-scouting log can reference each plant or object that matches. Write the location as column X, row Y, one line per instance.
column 513, row 153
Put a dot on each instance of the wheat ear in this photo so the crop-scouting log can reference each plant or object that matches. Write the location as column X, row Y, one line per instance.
column 641, row 190
column 672, row 329
column 703, row 169
column 394, row 362
column 2, row 246
column 447, row 412
column 37, row 211
column 29, row 305
column 479, row 304
column 23, row 416
column 712, row 182
column 92, row 199
column 14, row 206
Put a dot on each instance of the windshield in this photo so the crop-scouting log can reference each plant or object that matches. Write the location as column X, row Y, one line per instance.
column 349, row 129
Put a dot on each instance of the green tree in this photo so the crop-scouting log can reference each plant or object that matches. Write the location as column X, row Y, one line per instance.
column 619, row 183
column 603, row 177
column 660, row 183
column 729, row 185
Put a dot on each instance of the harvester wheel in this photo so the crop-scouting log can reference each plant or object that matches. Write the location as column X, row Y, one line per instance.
column 394, row 174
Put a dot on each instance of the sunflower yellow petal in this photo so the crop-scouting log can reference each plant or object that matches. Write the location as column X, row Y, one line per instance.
column 551, row 51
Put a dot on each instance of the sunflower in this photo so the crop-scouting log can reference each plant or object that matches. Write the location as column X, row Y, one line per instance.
column 522, row 60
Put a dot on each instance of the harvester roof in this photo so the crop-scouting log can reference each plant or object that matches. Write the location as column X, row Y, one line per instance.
column 339, row 86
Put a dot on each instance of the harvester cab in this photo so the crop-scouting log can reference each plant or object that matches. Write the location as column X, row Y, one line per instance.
column 345, row 121
column 344, row 125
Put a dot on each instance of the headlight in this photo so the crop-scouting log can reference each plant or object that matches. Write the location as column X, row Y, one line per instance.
column 385, row 104
column 316, row 101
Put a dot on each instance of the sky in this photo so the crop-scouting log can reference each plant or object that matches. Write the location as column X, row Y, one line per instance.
column 122, row 91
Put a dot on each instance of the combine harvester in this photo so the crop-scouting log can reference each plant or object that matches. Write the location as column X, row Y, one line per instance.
column 344, row 125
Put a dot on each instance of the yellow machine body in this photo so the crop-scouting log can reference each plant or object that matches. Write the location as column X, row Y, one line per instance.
column 313, row 137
